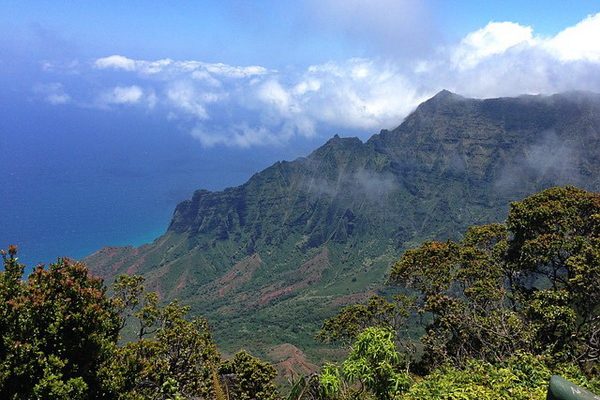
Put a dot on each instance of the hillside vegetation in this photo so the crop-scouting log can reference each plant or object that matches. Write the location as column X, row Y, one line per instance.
column 502, row 309
column 267, row 261
column 301, row 239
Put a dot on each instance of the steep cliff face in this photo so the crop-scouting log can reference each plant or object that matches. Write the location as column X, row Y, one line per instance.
column 268, row 260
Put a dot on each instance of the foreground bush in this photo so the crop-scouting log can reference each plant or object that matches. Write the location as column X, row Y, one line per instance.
column 521, row 377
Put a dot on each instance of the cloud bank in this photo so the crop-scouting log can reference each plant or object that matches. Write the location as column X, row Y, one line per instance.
column 244, row 106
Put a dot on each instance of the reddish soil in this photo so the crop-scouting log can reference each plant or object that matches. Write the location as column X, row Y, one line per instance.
column 310, row 272
column 291, row 362
column 354, row 298
column 239, row 274
column 107, row 261
column 133, row 268
column 182, row 281
column 270, row 296
column 110, row 261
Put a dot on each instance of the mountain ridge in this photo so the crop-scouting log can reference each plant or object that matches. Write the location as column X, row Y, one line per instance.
column 326, row 226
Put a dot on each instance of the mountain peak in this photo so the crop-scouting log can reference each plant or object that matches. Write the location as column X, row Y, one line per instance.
column 338, row 144
column 442, row 99
column 445, row 95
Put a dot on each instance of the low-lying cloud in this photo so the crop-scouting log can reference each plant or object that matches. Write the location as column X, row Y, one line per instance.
column 244, row 106
column 550, row 158
column 362, row 185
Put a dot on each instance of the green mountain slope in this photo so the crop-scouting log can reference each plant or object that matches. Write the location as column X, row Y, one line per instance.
column 267, row 261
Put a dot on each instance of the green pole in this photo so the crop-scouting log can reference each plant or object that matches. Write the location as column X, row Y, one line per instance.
column 562, row 389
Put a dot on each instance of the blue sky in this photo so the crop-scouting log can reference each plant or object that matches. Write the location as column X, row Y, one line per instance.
column 273, row 33
column 243, row 32
column 114, row 111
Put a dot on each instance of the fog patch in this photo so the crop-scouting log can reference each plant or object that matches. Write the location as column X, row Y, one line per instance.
column 551, row 160
column 373, row 185
column 553, row 156
column 359, row 186
column 320, row 187
column 457, row 164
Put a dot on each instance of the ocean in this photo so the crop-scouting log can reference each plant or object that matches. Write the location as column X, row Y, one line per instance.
column 77, row 179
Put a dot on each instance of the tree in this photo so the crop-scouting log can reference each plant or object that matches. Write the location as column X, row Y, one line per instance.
column 136, row 305
column 461, row 285
column 531, row 284
column 175, row 357
column 353, row 319
column 553, row 265
column 57, row 329
column 373, row 364
column 177, row 362
column 520, row 377
column 58, row 340
column 249, row 378
column 378, row 312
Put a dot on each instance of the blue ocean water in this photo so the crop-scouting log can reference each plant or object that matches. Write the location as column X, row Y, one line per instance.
column 75, row 179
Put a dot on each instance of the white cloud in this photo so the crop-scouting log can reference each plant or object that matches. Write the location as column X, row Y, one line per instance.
column 241, row 135
column 53, row 93
column 274, row 95
column 579, row 42
column 356, row 94
column 234, row 72
column 507, row 59
column 246, row 106
column 184, row 96
column 169, row 66
column 123, row 95
column 71, row 66
column 305, row 86
column 151, row 99
column 495, row 38
column 116, row 62
column 58, row 98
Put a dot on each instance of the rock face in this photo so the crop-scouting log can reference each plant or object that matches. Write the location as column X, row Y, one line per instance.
column 267, row 261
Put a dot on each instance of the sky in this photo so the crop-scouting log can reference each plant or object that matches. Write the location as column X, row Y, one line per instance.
column 147, row 101
column 247, row 74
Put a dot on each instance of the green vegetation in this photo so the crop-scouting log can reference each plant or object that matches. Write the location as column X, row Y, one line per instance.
column 59, row 340
column 520, row 377
column 504, row 306
column 501, row 311
column 373, row 364
column 57, row 330
column 309, row 236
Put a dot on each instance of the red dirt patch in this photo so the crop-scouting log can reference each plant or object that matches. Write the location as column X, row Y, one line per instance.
column 108, row 260
column 139, row 261
column 291, row 362
column 310, row 272
column 239, row 274
column 354, row 298
column 270, row 296
column 182, row 281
